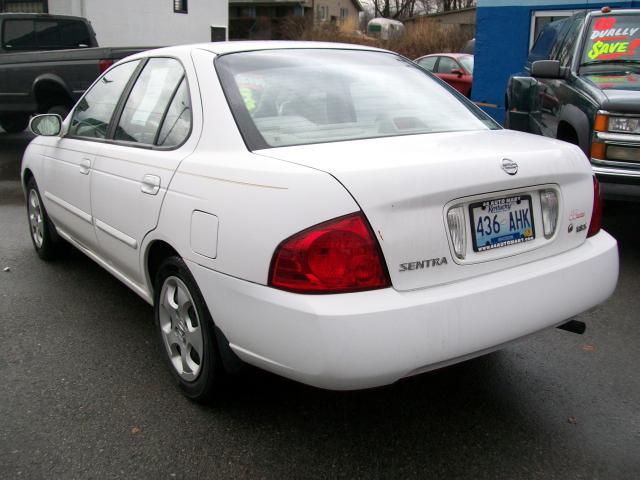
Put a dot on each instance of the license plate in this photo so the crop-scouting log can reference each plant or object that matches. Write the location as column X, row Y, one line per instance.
column 501, row 222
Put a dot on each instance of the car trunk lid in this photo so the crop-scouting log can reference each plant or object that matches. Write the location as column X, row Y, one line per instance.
column 405, row 185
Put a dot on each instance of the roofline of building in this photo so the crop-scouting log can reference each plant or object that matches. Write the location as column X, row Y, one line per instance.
column 356, row 3
column 439, row 14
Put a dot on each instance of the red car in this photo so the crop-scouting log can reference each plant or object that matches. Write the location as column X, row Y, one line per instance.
column 454, row 68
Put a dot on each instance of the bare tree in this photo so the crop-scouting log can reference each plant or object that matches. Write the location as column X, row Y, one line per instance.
column 396, row 9
column 403, row 9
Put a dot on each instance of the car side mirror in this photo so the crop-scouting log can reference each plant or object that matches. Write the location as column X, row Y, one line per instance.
column 49, row 125
column 548, row 69
column 457, row 71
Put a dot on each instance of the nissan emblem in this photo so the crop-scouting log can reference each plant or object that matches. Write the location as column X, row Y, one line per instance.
column 509, row 166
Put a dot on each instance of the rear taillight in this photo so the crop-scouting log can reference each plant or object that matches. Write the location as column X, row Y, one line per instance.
column 104, row 65
column 549, row 204
column 456, row 223
column 338, row 256
column 596, row 215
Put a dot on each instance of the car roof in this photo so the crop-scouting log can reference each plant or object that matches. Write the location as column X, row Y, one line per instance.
column 44, row 16
column 453, row 55
column 614, row 11
column 222, row 48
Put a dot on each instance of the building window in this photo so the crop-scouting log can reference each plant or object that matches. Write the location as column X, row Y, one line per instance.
column 541, row 18
column 248, row 12
column 23, row 6
column 180, row 6
column 323, row 13
column 344, row 13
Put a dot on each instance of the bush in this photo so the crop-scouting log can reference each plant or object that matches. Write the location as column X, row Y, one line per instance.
column 419, row 38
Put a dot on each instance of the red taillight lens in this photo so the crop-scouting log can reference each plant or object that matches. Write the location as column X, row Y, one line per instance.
column 338, row 256
column 596, row 216
column 104, row 65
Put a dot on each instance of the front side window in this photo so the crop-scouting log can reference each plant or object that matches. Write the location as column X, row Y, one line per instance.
column 447, row 65
column 612, row 39
column 429, row 63
column 149, row 99
column 295, row 97
column 565, row 54
column 19, row 35
column 93, row 113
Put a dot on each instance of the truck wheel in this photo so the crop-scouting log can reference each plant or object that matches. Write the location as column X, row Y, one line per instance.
column 61, row 110
column 14, row 123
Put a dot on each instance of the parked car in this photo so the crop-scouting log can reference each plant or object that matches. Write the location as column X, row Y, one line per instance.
column 278, row 204
column 46, row 64
column 454, row 68
column 582, row 85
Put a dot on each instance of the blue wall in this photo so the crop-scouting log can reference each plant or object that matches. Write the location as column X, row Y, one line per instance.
column 502, row 43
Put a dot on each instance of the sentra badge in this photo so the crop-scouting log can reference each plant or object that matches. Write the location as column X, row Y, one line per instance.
column 420, row 264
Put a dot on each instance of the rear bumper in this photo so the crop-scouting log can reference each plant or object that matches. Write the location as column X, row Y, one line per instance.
column 618, row 183
column 368, row 339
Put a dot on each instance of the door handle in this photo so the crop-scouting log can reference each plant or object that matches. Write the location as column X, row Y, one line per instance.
column 150, row 184
column 85, row 166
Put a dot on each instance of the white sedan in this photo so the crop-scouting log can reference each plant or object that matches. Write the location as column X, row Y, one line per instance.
column 330, row 213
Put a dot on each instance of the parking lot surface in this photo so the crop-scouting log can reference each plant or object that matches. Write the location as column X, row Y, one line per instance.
column 85, row 395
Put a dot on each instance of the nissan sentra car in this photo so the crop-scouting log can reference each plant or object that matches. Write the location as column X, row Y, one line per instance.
column 331, row 213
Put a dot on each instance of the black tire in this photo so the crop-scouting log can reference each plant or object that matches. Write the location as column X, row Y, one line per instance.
column 61, row 110
column 14, row 123
column 211, row 376
column 47, row 243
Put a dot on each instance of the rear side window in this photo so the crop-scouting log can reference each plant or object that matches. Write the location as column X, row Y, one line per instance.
column 145, row 108
column 93, row 113
column 45, row 34
column 428, row 63
column 177, row 122
column 74, row 34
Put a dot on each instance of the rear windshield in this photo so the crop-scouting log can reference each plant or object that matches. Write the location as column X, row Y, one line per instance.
column 612, row 38
column 44, row 34
column 467, row 63
column 295, row 97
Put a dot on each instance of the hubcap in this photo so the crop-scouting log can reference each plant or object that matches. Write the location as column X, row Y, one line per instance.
column 181, row 329
column 36, row 222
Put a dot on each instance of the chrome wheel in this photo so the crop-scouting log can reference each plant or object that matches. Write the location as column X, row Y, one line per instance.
column 181, row 329
column 36, row 219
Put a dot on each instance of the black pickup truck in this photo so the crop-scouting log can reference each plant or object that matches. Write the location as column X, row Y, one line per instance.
column 46, row 64
column 582, row 85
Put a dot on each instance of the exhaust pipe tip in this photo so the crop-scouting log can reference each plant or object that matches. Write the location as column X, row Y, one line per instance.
column 574, row 326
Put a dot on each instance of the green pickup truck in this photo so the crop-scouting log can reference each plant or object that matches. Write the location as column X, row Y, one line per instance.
column 582, row 85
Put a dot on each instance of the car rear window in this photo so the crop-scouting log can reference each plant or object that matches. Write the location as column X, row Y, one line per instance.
column 304, row 96
column 45, row 34
column 467, row 62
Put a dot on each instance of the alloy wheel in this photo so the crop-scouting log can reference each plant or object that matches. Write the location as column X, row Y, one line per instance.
column 181, row 329
column 36, row 219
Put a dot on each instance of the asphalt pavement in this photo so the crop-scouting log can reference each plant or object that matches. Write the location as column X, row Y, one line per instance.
column 84, row 393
